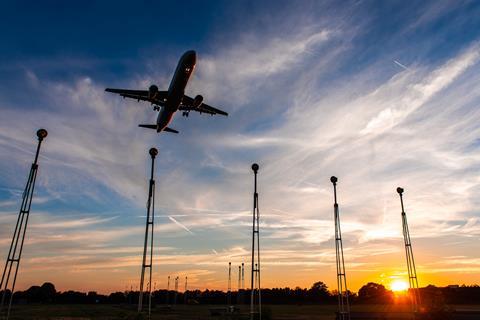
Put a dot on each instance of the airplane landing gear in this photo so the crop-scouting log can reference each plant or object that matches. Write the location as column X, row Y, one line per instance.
column 156, row 108
column 185, row 114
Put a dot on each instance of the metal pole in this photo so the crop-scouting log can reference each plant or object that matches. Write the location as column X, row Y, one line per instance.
column 185, row 291
column 252, row 292
column 243, row 276
column 168, row 290
column 242, row 298
column 148, row 230
column 257, row 265
column 229, row 289
column 151, row 239
column 255, row 276
column 176, row 291
column 16, row 245
column 239, row 283
column 412, row 271
column 343, row 301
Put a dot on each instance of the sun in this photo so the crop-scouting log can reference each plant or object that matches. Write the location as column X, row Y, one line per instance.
column 399, row 286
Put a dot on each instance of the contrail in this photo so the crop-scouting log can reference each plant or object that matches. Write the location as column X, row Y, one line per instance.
column 401, row 65
column 179, row 224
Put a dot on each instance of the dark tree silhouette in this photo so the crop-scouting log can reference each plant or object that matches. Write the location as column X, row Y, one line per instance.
column 319, row 288
column 117, row 298
column 47, row 292
column 374, row 293
column 435, row 298
column 319, row 293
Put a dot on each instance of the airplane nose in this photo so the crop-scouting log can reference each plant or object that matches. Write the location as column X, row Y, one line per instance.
column 190, row 57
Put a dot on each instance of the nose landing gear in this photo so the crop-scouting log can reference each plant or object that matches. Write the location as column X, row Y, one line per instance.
column 185, row 114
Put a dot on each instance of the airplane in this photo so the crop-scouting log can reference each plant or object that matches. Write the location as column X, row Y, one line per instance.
column 169, row 102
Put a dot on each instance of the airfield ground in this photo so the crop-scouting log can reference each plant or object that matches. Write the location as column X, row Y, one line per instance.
column 201, row 312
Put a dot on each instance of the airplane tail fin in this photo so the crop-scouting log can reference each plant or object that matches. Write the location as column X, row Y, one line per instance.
column 154, row 127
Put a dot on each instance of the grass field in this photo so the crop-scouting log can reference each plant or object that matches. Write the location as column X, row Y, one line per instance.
column 109, row 312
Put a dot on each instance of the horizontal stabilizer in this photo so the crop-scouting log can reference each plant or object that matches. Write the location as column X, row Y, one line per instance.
column 148, row 126
column 154, row 127
column 170, row 130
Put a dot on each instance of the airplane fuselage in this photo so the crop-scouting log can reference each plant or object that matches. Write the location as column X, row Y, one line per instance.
column 176, row 90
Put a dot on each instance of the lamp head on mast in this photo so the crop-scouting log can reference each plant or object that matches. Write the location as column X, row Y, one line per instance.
column 255, row 167
column 153, row 152
column 42, row 134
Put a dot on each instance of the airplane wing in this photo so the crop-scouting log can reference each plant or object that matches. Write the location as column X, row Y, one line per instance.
column 159, row 98
column 187, row 105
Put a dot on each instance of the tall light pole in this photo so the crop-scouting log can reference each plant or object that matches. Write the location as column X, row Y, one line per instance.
column 412, row 271
column 168, row 290
column 343, row 303
column 239, row 286
column 255, row 275
column 185, row 300
column 16, row 246
column 176, row 291
column 148, row 234
column 229, row 289
column 243, row 276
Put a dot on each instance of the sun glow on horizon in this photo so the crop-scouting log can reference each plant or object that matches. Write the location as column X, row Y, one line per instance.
column 399, row 286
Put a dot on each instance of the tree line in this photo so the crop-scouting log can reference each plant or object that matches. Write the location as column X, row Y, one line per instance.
column 318, row 293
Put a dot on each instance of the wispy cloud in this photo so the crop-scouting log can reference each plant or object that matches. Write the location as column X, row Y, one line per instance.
column 418, row 93
column 66, row 224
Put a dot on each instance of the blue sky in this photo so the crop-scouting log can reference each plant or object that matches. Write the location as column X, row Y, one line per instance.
column 380, row 94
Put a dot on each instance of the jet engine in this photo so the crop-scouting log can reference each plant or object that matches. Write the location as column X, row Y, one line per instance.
column 152, row 91
column 197, row 101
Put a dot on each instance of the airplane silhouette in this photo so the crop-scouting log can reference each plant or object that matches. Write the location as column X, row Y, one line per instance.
column 169, row 102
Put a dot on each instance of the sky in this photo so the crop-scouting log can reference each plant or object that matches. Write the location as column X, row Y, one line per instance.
column 379, row 94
